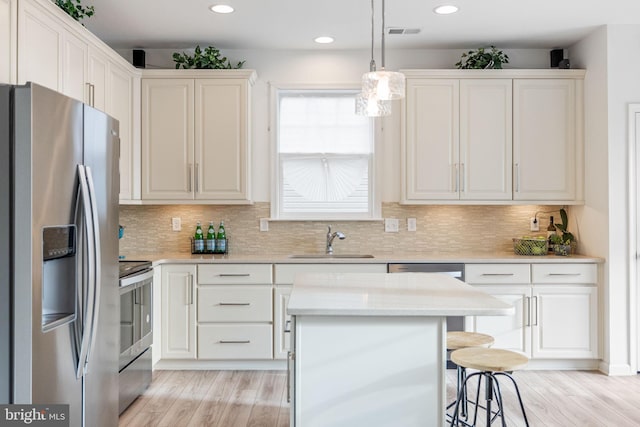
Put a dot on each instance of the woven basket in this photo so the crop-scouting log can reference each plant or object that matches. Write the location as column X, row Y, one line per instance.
column 530, row 246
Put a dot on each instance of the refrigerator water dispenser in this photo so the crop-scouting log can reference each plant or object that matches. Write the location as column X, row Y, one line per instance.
column 58, row 276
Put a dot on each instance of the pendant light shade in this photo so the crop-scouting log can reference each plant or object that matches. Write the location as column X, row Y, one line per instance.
column 372, row 107
column 384, row 85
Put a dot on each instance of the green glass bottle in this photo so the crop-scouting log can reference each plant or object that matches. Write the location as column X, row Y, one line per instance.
column 221, row 239
column 211, row 238
column 198, row 240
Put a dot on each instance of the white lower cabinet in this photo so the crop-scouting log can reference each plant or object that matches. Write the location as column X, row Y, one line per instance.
column 235, row 317
column 555, row 319
column 284, row 275
column 178, row 312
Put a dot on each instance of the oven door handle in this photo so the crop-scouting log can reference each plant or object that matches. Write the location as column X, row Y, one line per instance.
column 135, row 279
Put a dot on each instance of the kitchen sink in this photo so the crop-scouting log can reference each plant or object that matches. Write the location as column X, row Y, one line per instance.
column 329, row 256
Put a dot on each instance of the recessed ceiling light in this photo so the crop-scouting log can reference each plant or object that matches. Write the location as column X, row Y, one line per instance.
column 323, row 39
column 446, row 9
column 221, row 8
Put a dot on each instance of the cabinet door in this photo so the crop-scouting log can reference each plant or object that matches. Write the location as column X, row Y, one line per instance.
column 485, row 139
column 167, row 139
column 39, row 47
column 178, row 312
column 564, row 321
column 97, row 81
column 430, row 156
column 74, row 67
column 120, row 105
column 221, row 139
column 544, row 140
column 8, row 36
column 511, row 332
column 281, row 322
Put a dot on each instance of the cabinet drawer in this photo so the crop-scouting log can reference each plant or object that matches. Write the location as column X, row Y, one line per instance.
column 564, row 273
column 230, row 274
column 285, row 273
column 497, row 273
column 234, row 342
column 234, row 303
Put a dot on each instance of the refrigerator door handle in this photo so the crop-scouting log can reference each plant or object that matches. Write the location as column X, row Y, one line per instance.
column 97, row 257
column 86, row 301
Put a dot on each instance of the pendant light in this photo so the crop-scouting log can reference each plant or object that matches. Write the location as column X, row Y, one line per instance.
column 384, row 85
column 367, row 104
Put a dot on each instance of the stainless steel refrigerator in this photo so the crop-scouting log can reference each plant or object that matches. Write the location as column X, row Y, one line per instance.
column 59, row 300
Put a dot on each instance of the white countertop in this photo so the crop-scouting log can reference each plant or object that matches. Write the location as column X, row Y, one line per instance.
column 382, row 294
column 467, row 258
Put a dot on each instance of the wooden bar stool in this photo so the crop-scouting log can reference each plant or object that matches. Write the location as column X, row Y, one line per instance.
column 491, row 363
column 455, row 341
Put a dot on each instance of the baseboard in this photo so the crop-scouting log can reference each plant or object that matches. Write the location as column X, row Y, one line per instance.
column 564, row 365
column 221, row 365
column 616, row 370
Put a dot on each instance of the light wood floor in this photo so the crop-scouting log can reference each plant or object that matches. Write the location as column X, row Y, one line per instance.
column 258, row 399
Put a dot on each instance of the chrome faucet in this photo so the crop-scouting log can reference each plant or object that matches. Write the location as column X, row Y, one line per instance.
column 330, row 237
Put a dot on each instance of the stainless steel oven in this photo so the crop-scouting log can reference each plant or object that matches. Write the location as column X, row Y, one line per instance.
column 136, row 331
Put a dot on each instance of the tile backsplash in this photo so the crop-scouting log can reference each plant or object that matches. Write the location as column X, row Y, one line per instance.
column 440, row 228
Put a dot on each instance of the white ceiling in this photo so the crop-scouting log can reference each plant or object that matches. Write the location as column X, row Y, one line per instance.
column 293, row 24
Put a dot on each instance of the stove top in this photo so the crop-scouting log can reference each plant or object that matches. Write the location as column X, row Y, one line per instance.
column 127, row 268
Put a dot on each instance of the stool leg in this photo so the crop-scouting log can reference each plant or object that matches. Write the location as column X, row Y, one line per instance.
column 462, row 373
column 498, row 394
column 488, row 394
column 515, row 385
column 455, row 418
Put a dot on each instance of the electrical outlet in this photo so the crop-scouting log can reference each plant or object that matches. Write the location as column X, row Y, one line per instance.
column 411, row 224
column 264, row 224
column 534, row 224
column 391, row 225
column 176, row 224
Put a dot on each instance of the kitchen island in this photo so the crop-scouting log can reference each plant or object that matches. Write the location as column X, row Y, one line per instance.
column 369, row 349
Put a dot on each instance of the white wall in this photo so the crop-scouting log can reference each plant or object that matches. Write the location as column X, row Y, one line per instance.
column 331, row 66
column 610, row 85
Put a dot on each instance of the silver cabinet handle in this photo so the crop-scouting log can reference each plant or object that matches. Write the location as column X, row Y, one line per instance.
column 196, row 177
column 290, row 359
column 234, row 275
column 535, row 310
column 564, row 274
column 517, row 174
column 497, row 274
column 527, row 308
column 235, row 341
column 190, row 288
column 189, row 177
column 235, row 303
column 457, row 178
column 462, row 177
column 287, row 327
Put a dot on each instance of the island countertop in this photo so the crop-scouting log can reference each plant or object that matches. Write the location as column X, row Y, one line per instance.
column 383, row 294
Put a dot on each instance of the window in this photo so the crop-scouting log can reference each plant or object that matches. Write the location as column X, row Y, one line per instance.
column 324, row 156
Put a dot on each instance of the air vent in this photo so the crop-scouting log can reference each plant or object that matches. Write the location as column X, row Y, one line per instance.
column 393, row 31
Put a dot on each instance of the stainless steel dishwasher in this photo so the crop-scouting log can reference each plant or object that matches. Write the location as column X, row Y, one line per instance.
column 454, row 323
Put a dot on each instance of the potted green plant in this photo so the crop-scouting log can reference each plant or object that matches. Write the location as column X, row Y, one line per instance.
column 564, row 243
column 482, row 59
column 209, row 58
column 76, row 10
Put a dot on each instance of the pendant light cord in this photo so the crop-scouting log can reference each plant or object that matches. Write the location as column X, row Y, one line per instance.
column 382, row 47
column 372, row 64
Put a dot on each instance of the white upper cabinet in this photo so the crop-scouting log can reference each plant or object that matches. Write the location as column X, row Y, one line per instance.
column 485, row 139
column 431, row 150
column 492, row 137
column 167, row 139
column 196, row 136
column 544, row 150
column 8, row 40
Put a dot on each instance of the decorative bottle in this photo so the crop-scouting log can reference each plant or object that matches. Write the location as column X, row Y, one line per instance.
column 221, row 239
column 551, row 231
column 211, row 238
column 198, row 240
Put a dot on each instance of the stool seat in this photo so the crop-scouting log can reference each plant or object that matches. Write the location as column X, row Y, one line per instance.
column 489, row 359
column 460, row 339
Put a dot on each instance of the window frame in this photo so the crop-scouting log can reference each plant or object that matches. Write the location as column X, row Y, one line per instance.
column 375, row 208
